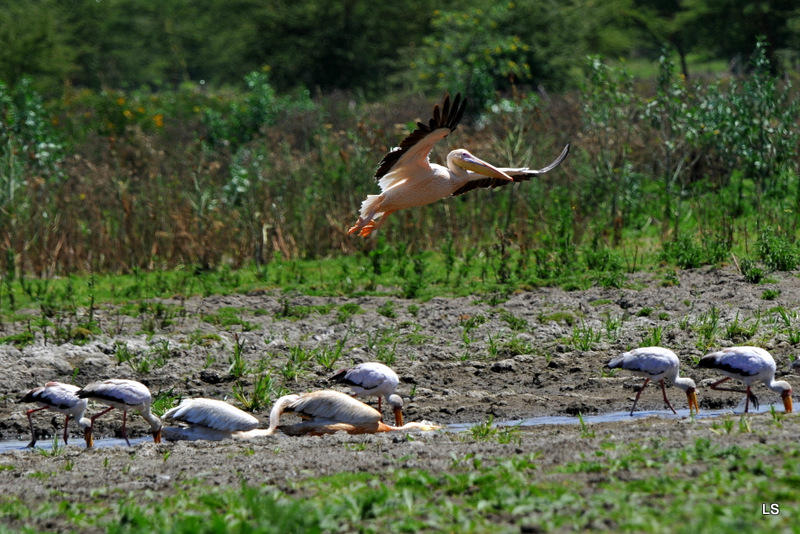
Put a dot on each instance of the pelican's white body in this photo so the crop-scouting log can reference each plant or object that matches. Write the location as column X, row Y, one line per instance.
column 210, row 419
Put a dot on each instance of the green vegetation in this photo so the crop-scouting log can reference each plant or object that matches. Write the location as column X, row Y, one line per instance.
column 480, row 494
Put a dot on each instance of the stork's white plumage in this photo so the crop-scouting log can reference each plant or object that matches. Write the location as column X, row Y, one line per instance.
column 330, row 411
column 124, row 395
column 60, row 398
column 373, row 379
column 750, row 365
column 657, row 364
column 210, row 419
column 407, row 178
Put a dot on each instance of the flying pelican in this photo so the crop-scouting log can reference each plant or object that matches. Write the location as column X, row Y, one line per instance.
column 656, row 363
column 748, row 364
column 330, row 411
column 407, row 178
column 59, row 398
column 124, row 395
column 210, row 419
column 373, row 379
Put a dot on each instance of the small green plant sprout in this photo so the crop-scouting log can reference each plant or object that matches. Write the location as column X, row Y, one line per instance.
column 328, row 356
column 584, row 337
column 744, row 425
column 238, row 367
column 261, row 396
column 776, row 416
column 163, row 401
column 770, row 294
column 56, row 449
column 165, row 456
column 653, row 339
column 725, row 427
column 488, row 431
column 586, row 432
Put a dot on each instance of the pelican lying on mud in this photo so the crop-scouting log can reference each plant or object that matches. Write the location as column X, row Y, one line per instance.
column 327, row 411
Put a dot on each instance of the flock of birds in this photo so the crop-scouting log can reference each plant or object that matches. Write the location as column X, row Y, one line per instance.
column 407, row 179
column 322, row 412
column 328, row 411
column 748, row 364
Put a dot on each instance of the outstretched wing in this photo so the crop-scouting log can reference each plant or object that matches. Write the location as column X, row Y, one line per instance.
column 415, row 149
column 518, row 174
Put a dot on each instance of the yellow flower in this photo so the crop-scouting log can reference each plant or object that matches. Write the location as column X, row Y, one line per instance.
column 159, row 120
column 121, row 101
column 128, row 114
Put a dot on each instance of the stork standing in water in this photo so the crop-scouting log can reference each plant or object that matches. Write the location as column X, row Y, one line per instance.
column 373, row 379
column 210, row 419
column 328, row 411
column 750, row 365
column 124, row 395
column 61, row 398
column 407, row 178
column 657, row 364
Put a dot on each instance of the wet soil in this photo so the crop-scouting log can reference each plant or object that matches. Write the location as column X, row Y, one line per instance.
column 461, row 360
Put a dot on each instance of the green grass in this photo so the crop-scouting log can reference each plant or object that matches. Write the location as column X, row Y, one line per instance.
column 635, row 487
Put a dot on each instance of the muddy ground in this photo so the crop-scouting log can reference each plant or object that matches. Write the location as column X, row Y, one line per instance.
column 461, row 360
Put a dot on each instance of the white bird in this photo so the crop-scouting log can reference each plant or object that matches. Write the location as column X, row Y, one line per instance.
column 330, row 411
column 60, row 398
column 657, row 364
column 750, row 365
column 210, row 419
column 124, row 395
column 373, row 379
column 407, row 178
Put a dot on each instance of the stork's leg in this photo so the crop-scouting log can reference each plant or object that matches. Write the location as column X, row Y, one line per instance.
column 66, row 422
column 33, row 432
column 379, row 407
column 91, row 428
column 666, row 400
column 638, row 395
column 746, row 391
column 124, row 431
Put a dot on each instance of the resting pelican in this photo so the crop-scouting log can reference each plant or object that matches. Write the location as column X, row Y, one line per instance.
column 124, row 395
column 59, row 398
column 407, row 178
column 210, row 419
column 750, row 365
column 330, row 411
column 656, row 363
column 373, row 379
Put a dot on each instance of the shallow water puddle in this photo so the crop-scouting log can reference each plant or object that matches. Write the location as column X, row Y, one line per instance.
column 616, row 417
column 47, row 444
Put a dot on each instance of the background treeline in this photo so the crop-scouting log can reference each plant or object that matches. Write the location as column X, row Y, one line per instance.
column 143, row 134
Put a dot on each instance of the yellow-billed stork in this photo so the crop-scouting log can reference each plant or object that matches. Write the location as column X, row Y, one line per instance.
column 373, row 379
column 61, row 398
column 750, row 365
column 657, row 364
column 124, row 395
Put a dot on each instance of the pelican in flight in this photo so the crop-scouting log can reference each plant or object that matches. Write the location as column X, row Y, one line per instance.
column 750, row 365
column 407, row 178
column 657, row 364
column 328, row 411
column 124, row 395
column 373, row 379
column 60, row 398
column 210, row 419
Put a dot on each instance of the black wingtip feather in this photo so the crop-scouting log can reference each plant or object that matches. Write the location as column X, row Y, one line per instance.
column 442, row 118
